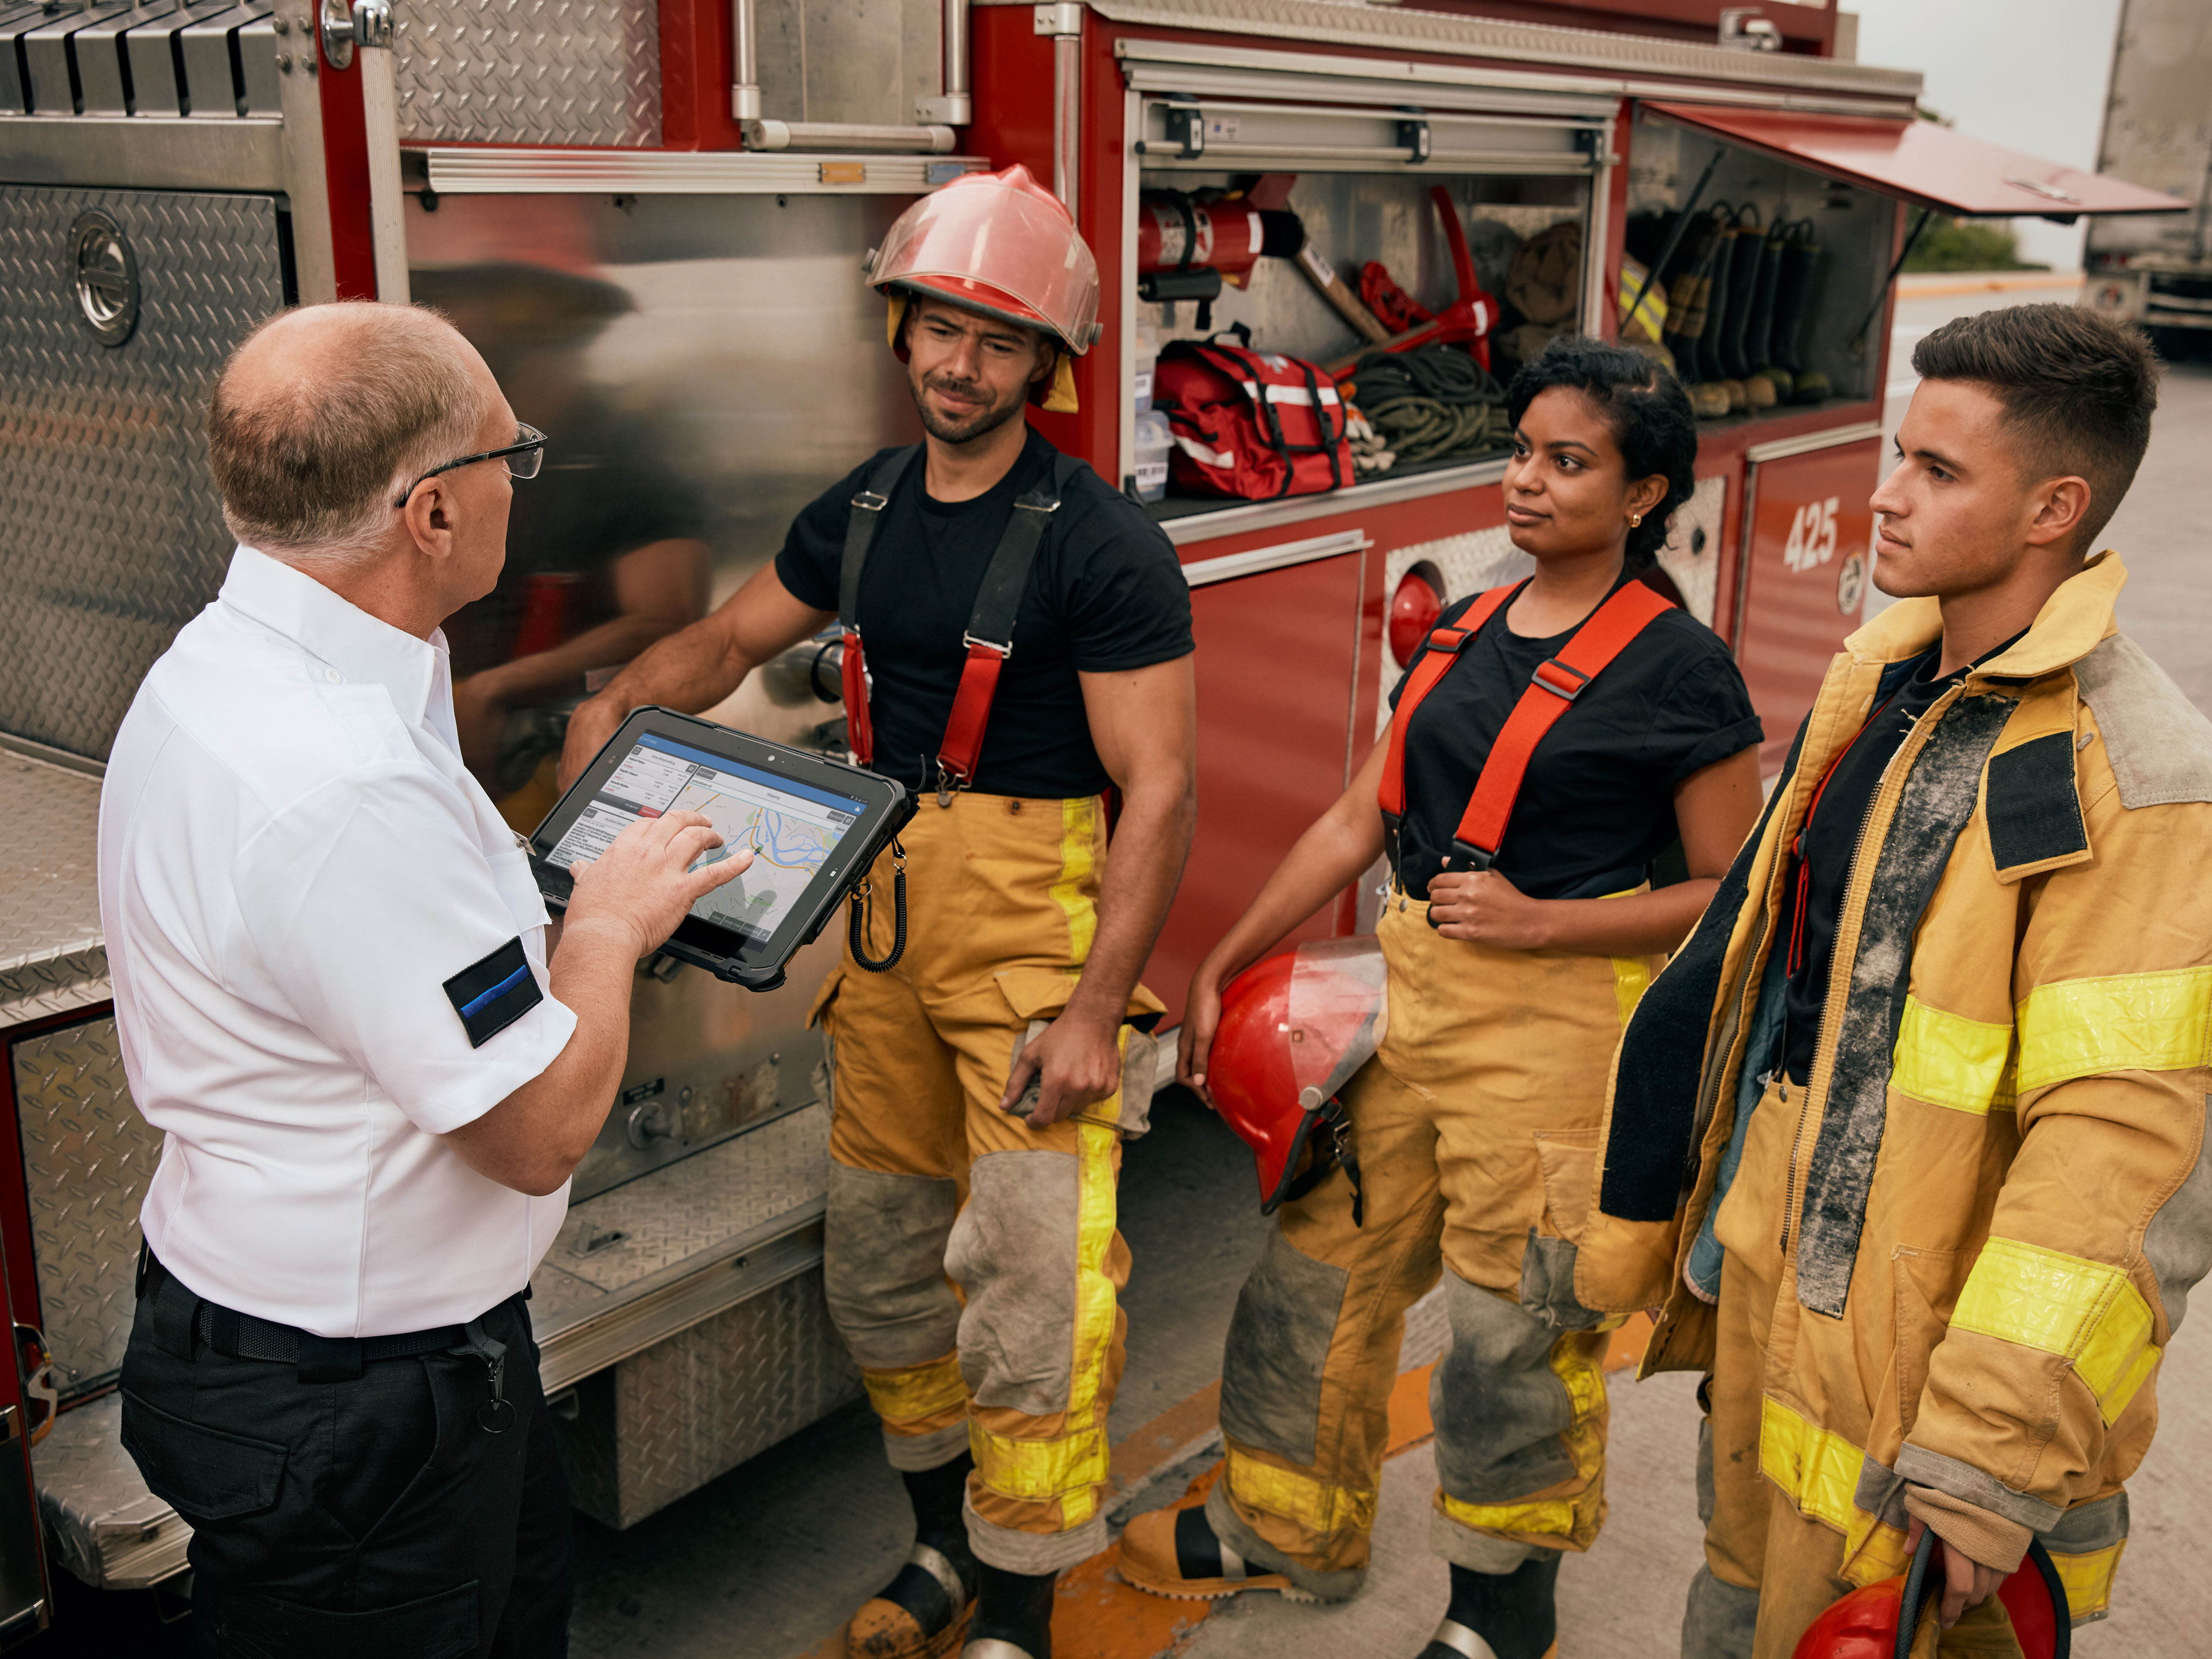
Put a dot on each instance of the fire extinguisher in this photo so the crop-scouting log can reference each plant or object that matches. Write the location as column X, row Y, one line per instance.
column 1187, row 248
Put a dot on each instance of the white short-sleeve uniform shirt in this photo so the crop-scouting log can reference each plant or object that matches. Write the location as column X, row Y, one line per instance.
column 327, row 951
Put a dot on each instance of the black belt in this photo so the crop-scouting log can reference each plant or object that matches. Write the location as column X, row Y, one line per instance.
column 318, row 1358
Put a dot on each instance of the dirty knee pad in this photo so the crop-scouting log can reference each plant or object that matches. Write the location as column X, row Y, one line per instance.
column 1279, row 1342
column 882, row 1265
column 1719, row 1621
column 1498, row 1407
column 1014, row 1253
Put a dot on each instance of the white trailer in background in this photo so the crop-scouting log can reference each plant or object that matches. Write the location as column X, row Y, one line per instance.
column 2156, row 269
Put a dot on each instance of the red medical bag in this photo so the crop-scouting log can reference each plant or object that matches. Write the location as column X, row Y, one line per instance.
column 1251, row 424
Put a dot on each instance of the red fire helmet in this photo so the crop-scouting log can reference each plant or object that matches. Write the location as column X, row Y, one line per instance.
column 1293, row 1030
column 1877, row 1621
column 999, row 244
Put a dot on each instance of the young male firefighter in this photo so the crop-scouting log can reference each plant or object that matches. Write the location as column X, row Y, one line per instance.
column 983, row 561
column 1909, row 1137
column 1551, row 739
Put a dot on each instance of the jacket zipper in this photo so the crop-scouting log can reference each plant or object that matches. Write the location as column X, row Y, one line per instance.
column 1923, row 730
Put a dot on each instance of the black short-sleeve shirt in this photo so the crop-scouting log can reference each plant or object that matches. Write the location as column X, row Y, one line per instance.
column 1106, row 592
column 1597, row 805
column 1826, row 846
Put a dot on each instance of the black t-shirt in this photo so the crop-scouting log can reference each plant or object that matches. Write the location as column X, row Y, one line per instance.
column 1597, row 805
column 1106, row 592
column 1822, row 852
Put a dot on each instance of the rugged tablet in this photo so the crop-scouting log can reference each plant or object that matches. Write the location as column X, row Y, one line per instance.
column 813, row 824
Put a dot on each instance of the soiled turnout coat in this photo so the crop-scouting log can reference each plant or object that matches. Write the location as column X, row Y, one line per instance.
column 1992, row 1202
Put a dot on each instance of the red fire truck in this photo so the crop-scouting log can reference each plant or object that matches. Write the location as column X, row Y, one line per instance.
column 651, row 214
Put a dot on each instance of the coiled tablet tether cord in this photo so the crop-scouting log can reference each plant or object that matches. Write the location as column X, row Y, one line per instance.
column 863, row 918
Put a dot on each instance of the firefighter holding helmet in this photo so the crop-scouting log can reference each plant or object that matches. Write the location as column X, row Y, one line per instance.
column 1550, row 740
column 1016, row 641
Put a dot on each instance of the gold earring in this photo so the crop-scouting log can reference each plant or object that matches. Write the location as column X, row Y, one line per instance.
column 1635, row 520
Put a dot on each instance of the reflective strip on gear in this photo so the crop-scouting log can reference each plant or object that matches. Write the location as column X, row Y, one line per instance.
column 2088, row 1579
column 2159, row 1022
column 1873, row 1551
column 1632, row 978
column 1094, row 1290
column 1632, row 975
column 916, row 1392
column 2083, row 1311
column 1079, row 831
column 1819, row 1471
column 1069, row 1469
column 1947, row 1059
column 1297, row 1496
column 1042, row 1471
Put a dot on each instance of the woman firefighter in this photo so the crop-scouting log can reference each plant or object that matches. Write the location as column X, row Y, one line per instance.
column 1550, row 741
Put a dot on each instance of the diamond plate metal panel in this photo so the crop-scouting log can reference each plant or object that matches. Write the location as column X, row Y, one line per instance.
column 51, row 956
column 87, row 1157
column 112, row 1533
column 1469, row 563
column 110, row 532
column 530, row 71
column 688, row 1208
column 41, row 990
column 1410, row 29
column 665, row 1422
column 1693, row 554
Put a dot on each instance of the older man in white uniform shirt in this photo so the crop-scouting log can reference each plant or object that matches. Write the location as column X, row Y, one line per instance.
column 333, row 990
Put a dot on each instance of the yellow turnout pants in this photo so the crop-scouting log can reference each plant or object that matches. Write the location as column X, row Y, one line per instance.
column 1476, row 1129
column 971, row 1263
column 1769, row 1569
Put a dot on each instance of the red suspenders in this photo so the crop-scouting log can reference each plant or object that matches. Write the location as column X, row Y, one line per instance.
column 990, row 635
column 1552, row 690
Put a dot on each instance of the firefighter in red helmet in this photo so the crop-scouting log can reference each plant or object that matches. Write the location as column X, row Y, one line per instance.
column 1016, row 640
column 1550, row 740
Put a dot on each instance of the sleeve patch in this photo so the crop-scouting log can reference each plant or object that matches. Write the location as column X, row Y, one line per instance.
column 491, row 994
column 2034, row 814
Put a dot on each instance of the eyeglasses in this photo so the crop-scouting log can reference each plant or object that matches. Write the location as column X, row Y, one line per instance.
column 523, row 457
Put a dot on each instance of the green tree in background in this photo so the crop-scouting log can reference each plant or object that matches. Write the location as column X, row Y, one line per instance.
column 1968, row 245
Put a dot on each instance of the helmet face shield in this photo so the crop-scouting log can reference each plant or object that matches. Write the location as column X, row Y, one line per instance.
column 999, row 244
column 1338, row 1013
column 1294, row 1028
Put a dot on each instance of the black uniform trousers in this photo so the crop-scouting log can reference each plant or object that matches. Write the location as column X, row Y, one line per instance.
column 375, row 1515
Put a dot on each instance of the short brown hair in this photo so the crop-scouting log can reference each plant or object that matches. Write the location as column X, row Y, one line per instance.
column 2078, row 390
column 309, row 467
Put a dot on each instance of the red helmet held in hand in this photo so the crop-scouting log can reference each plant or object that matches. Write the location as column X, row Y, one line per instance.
column 1877, row 1621
column 1293, row 1030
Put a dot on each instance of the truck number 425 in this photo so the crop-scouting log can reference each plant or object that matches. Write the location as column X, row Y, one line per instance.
column 1812, row 535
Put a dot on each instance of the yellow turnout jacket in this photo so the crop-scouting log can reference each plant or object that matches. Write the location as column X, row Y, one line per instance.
column 1998, row 1199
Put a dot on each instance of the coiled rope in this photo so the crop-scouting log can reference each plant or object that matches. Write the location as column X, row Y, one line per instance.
column 1426, row 404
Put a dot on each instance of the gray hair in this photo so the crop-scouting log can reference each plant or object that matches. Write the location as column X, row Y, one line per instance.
column 310, row 465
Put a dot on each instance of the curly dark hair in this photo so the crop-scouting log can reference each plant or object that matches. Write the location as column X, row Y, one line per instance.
column 1645, row 406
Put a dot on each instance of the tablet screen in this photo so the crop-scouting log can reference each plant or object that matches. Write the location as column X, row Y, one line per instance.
column 791, row 827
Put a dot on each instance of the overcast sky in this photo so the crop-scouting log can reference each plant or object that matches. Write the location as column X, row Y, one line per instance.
column 2030, row 74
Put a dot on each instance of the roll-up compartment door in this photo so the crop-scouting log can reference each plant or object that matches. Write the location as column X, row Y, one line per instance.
column 1261, row 112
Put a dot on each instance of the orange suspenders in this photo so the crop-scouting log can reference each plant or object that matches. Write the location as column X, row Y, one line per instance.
column 1552, row 690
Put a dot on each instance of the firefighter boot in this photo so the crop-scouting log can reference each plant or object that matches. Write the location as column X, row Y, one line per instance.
column 1174, row 1553
column 1501, row 1615
column 924, row 1611
column 1013, row 1616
